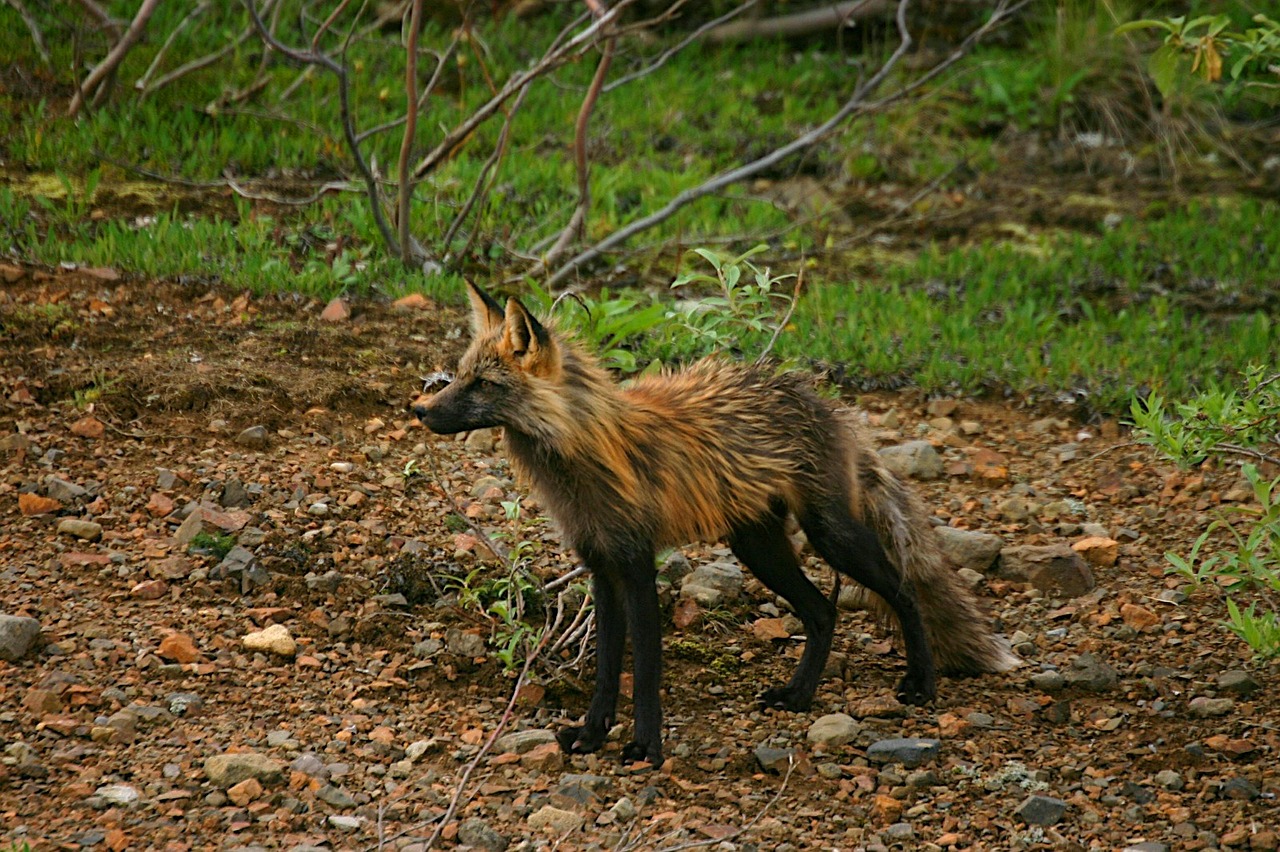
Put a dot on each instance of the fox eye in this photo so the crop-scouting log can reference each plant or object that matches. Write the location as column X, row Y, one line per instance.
column 486, row 384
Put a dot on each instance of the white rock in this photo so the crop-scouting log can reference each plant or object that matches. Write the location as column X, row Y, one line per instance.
column 274, row 640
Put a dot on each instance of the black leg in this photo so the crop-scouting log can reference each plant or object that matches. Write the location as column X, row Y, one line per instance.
column 853, row 549
column 765, row 549
column 643, row 617
column 611, row 634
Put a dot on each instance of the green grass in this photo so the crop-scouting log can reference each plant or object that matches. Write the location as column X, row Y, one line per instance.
column 1174, row 304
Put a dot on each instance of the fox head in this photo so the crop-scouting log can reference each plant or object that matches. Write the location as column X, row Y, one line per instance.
column 512, row 362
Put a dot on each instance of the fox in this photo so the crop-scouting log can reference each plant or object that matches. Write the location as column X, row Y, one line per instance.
column 716, row 451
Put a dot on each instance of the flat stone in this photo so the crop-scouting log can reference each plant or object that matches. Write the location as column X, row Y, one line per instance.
column 519, row 742
column 1238, row 682
column 713, row 584
column 255, row 437
column 967, row 549
column 119, row 794
column 1098, row 551
column 909, row 751
column 914, row 459
column 274, row 640
column 1054, row 569
column 476, row 832
column 63, row 490
column 227, row 770
column 1202, row 707
column 81, row 529
column 1087, row 672
column 773, row 759
column 833, row 730
column 559, row 821
column 1041, row 810
column 336, row 796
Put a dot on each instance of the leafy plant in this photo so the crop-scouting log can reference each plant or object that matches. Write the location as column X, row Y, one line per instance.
column 611, row 324
column 1207, row 44
column 1213, row 425
column 215, row 544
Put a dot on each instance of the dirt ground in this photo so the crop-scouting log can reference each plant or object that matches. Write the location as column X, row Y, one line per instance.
column 125, row 404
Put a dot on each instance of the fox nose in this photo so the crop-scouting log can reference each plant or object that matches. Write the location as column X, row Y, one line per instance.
column 419, row 410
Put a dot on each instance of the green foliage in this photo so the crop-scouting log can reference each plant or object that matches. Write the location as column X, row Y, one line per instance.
column 1204, row 45
column 1213, row 425
column 215, row 544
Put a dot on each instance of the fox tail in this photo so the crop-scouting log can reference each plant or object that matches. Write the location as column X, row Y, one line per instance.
column 958, row 631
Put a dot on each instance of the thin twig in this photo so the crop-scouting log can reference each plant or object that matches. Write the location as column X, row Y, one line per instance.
column 202, row 7
column 114, row 57
column 105, row 21
column 857, row 103
column 791, row 309
column 33, row 26
column 404, row 192
column 666, row 55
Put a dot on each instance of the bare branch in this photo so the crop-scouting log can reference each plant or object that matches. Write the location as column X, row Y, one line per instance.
column 856, row 104
column 800, row 23
column 114, row 57
column 404, row 191
column 33, row 26
column 663, row 57
column 105, row 21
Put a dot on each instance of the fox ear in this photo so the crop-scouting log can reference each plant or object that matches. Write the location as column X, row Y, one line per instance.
column 486, row 313
column 529, row 341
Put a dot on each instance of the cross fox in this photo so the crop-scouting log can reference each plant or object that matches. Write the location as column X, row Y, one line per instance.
column 716, row 451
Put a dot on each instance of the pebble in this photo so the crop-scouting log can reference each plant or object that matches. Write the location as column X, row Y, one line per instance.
column 1054, row 569
column 520, row 742
column 227, row 770
column 335, row 796
column 1169, row 779
column 1048, row 681
column 19, row 635
column 712, row 584
column 914, row 460
column 772, row 759
column 274, row 640
column 62, row 490
column 346, row 823
column 118, row 794
column 909, row 751
column 81, row 529
column 1202, row 707
column 1087, row 672
column 558, row 820
column 1146, row 846
column 967, row 549
column 255, row 438
column 1238, row 682
column 476, row 832
column 1041, row 810
column 833, row 730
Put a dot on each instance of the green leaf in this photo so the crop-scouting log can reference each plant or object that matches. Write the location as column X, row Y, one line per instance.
column 1163, row 67
column 1145, row 24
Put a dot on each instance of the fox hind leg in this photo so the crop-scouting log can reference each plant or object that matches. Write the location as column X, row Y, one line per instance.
column 853, row 549
column 764, row 548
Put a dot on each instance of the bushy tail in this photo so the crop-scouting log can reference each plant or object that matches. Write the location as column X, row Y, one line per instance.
column 959, row 633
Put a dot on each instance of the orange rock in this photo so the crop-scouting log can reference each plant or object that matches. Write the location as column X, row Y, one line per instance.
column 245, row 792
column 1097, row 550
column 769, row 628
column 34, row 504
column 336, row 311
column 887, row 809
column 88, row 427
column 159, row 505
column 179, row 647
column 1138, row 617
column 413, row 302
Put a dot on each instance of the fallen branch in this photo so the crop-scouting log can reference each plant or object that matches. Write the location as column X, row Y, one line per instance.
column 857, row 104
column 92, row 84
column 799, row 23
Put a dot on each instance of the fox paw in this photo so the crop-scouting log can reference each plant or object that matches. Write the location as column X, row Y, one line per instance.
column 638, row 752
column 786, row 698
column 917, row 690
column 580, row 740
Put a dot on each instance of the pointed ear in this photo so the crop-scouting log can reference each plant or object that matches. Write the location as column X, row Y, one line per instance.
column 529, row 341
column 486, row 313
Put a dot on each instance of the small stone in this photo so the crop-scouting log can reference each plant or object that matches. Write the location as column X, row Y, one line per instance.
column 88, row 427
column 255, row 438
column 543, row 758
column 274, row 640
column 185, row 704
column 476, row 832
column 149, row 590
column 966, row 549
column 1240, row 788
column 1238, row 682
column 464, row 644
column 227, row 770
column 1041, row 810
column 772, row 759
column 833, row 730
column 1203, row 707
column 33, row 504
column 179, row 647
column 520, row 742
column 118, row 794
column 900, row 832
column 19, row 635
column 1053, row 569
column 234, row 495
column 1146, row 846
column 624, row 809
column 1170, row 780
column 886, row 808
column 1098, row 551
column 909, row 751
column 1048, row 681
column 712, row 584
column 81, row 529
column 191, row 527
column 63, row 491
column 336, row 796
column 245, row 792
column 1138, row 617
column 336, row 311
column 559, row 821
column 1088, row 673
column 914, row 459
column 346, row 823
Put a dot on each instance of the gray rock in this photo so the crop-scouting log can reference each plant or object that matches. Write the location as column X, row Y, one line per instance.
column 834, row 729
column 1041, row 810
column 482, row 440
column 476, row 832
column 1239, row 788
column 191, row 527
column 1203, row 708
column 598, row 784
column 773, row 759
column 484, row 483
column 119, row 794
column 19, row 635
column 255, row 438
column 523, row 741
column 186, row 704
column 1088, row 673
column 1054, row 569
column 559, row 821
column 346, row 823
column 240, row 564
column 712, row 584
column 1048, row 681
column 62, row 490
column 900, row 832
column 623, row 809
column 327, row 583
column 335, row 796
column 966, row 549
column 909, row 751
column 464, row 644
column 1170, row 780
column 227, row 770
column 165, row 478
column 81, row 529
column 234, row 495
column 1146, row 846
column 309, row 764
column 1238, row 682
column 914, row 459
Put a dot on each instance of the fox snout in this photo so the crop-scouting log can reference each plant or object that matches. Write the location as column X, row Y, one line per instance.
column 460, row 407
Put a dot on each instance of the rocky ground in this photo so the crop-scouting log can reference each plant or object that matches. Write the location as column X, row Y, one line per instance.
column 244, row 606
